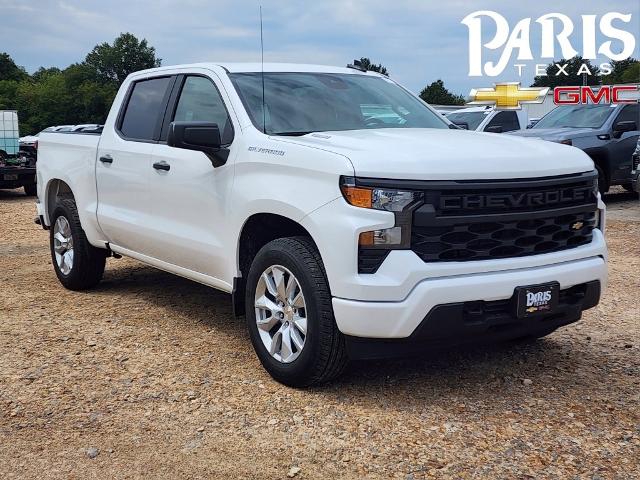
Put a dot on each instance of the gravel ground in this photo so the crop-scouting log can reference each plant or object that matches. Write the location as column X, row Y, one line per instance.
column 150, row 375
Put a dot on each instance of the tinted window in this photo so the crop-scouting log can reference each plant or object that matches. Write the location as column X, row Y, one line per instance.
column 200, row 101
column 145, row 108
column 473, row 119
column 299, row 103
column 630, row 113
column 507, row 120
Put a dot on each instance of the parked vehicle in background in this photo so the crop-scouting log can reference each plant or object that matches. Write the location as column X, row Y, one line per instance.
column 29, row 143
column 533, row 122
column 84, row 127
column 488, row 119
column 635, row 169
column 607, row 133
column 346, row 217
column 17, row 168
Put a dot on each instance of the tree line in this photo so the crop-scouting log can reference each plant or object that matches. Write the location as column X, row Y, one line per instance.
column 83, row 92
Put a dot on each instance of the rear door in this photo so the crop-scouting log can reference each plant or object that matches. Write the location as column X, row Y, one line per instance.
column 124, row 164
column 190, row 198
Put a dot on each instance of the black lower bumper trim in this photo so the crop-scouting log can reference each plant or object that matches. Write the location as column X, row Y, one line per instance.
column 464, row 323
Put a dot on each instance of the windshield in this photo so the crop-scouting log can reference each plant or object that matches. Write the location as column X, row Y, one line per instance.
column 473, row 119
column 300, row 103
column 578, row 116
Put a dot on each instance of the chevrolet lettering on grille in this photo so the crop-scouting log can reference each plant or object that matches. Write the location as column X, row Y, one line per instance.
column 515, row 200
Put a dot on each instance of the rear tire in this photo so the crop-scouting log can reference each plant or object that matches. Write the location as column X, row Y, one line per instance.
column 319, row 352
column 31, row 190
column 78, row 264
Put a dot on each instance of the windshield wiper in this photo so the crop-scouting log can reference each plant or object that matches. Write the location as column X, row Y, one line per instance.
column 291, row 134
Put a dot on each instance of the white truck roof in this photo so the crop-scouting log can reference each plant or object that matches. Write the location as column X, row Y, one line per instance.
column 258, row 67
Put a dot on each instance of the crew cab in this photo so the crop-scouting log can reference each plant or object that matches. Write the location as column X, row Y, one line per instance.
column 489, row 119
column 606, row 132
column 339, row 234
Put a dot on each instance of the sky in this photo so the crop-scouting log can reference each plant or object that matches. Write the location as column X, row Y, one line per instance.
column 418, row 41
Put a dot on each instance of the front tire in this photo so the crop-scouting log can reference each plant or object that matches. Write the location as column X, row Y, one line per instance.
column 290, row 316
column 78, row 264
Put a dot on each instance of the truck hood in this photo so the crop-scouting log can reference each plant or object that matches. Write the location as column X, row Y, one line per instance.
column 439, row 154
column 554, row 134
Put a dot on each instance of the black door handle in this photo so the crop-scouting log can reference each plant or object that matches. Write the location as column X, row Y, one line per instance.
column 162, row 166
column 106, row 159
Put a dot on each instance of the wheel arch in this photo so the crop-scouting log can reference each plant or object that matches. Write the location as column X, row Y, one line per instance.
column 258, row 230
column 55, row 189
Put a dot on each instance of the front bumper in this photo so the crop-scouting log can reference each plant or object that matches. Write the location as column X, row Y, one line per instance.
column 371, row 319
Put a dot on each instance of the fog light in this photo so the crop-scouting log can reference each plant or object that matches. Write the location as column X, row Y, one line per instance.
column 388, row 237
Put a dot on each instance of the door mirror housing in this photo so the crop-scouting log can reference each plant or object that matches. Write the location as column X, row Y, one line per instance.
column 494, row 129
column 626, row 126
column 200, row 136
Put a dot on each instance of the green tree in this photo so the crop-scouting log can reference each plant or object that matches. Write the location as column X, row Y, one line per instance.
column 127, row 54
column 43, row 72
column 552, row 79
column 437, row 94
column 367, row 64
column 9, row 70
column 619, row 70
column 631, row 74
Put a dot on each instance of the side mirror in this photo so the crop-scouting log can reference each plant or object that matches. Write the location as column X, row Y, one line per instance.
column 494, row 129
column 462, row 125
column 200, row 136
column 626, row 126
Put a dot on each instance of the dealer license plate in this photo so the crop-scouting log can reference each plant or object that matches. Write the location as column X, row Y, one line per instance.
column 537, row 299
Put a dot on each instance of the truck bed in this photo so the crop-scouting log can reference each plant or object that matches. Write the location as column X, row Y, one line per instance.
column 62, row 156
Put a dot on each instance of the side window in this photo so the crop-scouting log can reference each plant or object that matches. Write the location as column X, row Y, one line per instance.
column 200, row 101
column 507, row 120
column 145, row 109
column 629, row 113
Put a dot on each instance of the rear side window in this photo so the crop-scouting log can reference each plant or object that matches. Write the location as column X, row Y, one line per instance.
column 507, row 120
column 145, row 109
column 200, row 101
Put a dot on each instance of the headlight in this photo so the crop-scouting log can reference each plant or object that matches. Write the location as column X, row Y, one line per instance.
column 378, row 198
column 400, row 202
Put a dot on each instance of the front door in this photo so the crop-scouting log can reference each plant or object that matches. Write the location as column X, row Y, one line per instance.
column 621, row 148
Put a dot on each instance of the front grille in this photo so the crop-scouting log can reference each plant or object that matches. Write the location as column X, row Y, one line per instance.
column 496, row 239
column 465, row 221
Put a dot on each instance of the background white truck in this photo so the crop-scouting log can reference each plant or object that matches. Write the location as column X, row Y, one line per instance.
column 488, row 119
column 345, row 216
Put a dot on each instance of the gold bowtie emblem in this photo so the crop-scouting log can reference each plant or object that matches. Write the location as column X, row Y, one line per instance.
column 507, row 95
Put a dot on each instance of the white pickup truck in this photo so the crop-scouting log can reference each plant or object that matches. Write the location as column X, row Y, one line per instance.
column 345, row 216
column 489, row 119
